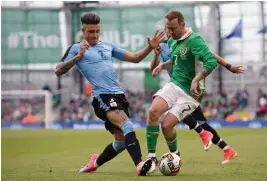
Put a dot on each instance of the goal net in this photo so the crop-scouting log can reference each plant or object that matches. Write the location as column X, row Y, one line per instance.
column 26, row 106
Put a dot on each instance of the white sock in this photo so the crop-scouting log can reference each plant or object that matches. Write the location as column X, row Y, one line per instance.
column 175, row 152
column 219, row 142
column 150, row 155
column 95, row 164
column 225, row 148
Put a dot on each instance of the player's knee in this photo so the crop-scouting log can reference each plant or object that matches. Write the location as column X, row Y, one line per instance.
column 153, row 113
column 166, row 125
column 118, row 135
column 127, row 127
column 118, row 146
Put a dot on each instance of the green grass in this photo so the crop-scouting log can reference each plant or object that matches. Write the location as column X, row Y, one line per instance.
column 29, row 155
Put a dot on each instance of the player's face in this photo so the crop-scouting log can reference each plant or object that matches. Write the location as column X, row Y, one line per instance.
column 174, row 29
column 91, row 33
column 167, row 33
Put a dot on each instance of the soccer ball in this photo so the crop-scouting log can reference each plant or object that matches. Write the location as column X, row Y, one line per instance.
column 170, row 164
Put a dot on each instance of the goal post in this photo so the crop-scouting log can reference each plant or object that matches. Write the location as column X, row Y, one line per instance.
column 27, row 101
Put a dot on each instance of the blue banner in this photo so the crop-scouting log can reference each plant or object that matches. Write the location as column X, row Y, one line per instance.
column 263, row 30
column 99, row 125
column 9, row 125
column 237, row 31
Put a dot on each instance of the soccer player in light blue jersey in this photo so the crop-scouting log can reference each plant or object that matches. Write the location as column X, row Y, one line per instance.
column 94, row 60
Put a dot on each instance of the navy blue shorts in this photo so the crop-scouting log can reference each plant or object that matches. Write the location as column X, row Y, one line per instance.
column 108, row 102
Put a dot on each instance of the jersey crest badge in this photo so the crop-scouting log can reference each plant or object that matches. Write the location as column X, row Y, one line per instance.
column 105, row 47
column 183, row 51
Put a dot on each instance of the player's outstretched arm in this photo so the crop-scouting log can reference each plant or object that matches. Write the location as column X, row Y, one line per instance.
column 155, row 62
column 71, row 59
column 161, row 66
column 231, row 68
column 140, row 55
column 64, row 67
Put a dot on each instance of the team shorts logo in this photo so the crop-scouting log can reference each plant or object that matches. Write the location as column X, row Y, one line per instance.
column 183, row 51
column 113, row 103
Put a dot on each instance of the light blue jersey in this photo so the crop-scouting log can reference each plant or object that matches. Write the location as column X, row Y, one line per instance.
column 97, row 66
column 165, row 54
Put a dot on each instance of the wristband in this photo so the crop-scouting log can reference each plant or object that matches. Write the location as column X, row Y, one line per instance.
column 228, row 66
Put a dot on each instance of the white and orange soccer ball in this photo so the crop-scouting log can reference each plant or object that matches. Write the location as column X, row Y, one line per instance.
column 170, row 164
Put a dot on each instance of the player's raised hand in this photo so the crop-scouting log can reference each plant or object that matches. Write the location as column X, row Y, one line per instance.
column 157, row 70
column 84, row 45
column 157, row 50
column 236, row 69
column 156, row 40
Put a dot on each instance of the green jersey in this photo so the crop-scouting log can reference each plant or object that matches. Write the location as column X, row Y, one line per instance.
column 188, row 56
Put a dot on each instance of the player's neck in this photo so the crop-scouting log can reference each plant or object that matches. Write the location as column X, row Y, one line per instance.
column 93, row 44
column 186, row 33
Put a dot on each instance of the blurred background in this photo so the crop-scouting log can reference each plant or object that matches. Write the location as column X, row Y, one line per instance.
column 35, row 36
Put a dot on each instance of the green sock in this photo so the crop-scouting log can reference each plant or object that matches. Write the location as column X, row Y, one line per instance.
column 152, row 133
column 172, row 143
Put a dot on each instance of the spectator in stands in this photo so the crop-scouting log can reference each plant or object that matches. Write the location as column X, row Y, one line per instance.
column 30, row 118
column 243, row 99
column 261, row 110
column 65, row 115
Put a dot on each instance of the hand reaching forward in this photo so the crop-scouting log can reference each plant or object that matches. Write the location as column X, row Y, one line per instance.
column 156, row 40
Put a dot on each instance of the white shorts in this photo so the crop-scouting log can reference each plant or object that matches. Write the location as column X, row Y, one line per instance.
column 179, row 103
column 161, row 118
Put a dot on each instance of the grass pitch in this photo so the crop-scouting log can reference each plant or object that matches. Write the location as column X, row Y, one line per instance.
column 56, row 155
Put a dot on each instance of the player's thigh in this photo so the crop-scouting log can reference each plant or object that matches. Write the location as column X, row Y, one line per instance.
column 182, row 110
column 117, row 117
column 158, row 106
column 163, row 116
column 199, row 115
column 184, row 107
column 169, row 121
column 164, row 99
column 112, row 108
column 118, row 112
column 113, row 129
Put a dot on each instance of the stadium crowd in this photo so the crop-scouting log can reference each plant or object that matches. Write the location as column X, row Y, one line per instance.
column 215, row 106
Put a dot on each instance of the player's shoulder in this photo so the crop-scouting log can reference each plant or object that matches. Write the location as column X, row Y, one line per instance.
column 74, row 48
column 196, row 39
column 164, row 44
column 195, row 36
column 75, row 45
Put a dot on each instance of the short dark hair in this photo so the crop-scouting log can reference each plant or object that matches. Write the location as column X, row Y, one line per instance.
column 174, row 14
column 90, row 18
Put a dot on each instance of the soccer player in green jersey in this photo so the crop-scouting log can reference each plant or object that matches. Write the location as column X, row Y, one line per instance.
column 179, row 96
column 162, row 55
